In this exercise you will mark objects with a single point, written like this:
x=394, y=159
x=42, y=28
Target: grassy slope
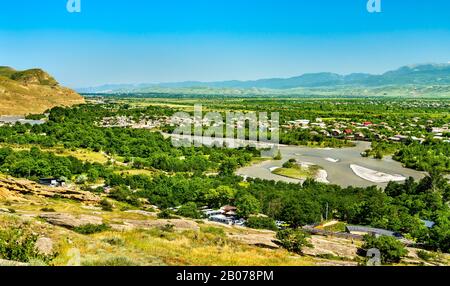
x=208, y=246
x=32, y=91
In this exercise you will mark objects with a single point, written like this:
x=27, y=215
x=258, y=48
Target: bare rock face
x=332, y=246
x=262, y=239
x=12, y=263
x=26, y=187
x=141, y=212
x=148, y=224
x=44, y=245
x=70, y=221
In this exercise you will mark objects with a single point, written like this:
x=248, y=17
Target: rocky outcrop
x=262, y=239
x=10, y=186
x=148, y=224
x=12, y=263
x=70, y=221
x=44, y=245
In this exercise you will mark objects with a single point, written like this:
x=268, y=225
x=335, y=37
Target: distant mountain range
x=425, y=74
x=32, y=91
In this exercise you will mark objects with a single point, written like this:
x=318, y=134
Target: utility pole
x=326, y=214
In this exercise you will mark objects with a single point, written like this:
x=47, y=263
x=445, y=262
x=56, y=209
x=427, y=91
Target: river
x=337, y=162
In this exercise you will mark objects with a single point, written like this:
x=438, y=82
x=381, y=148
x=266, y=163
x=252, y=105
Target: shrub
x=123, y=194
x=391, y=250
x=290, y=164
x=18, y=244
x=278, y=156
x=168, y=228
x=114, y=241
x=81, y=179
x=294, y=240
x=91, y=228
x=189, y=210
x=165, y=214
x=261, y=223
x=427, y=255
x=213, y=230
x=247, y=205
x=106, y=205
x=114, y=261
x=48, y=210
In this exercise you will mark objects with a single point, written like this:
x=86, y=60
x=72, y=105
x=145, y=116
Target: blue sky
x=137, y=41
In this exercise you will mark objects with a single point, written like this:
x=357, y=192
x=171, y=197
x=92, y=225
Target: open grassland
x=137, y=237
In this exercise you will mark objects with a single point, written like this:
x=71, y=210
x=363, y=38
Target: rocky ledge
x=25, y=187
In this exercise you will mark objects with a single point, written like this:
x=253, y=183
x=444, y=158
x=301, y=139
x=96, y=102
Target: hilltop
x=32, y=92
x=414, y=75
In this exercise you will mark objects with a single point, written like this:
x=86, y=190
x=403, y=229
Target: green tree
x=391, y=249
x=189, y=210
x=300, y=211
x=247, y=205
x=220, y=196
x=165, y=214
x=228, y=167
x=293, y=240
x=261, y=223
x=93, y=175
x=440, y=233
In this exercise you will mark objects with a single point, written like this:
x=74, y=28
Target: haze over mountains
x=425, y=74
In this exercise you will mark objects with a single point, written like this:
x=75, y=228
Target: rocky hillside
x=31, y=92
x=68, y=226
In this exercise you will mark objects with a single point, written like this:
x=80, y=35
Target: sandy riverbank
x=375, y=176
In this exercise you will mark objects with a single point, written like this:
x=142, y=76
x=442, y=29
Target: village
x=414, y=129
x=368, y=131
